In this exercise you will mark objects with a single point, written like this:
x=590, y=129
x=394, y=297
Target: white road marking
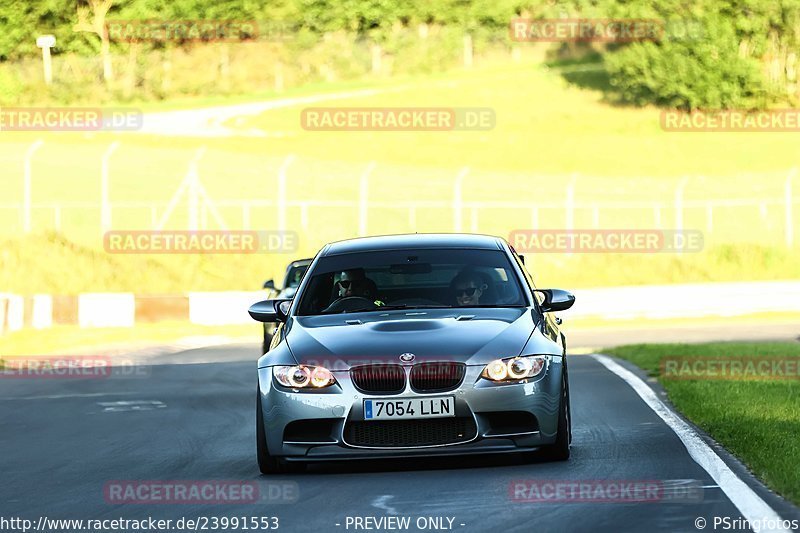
x=380, y=503
x=134, y=405
x=743, y=497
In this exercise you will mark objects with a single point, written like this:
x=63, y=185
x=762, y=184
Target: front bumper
x=489, y=406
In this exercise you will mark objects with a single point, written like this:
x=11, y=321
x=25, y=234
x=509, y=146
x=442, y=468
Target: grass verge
x=756, y=420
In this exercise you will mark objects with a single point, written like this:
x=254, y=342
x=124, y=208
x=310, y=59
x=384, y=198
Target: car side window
x=524, y=270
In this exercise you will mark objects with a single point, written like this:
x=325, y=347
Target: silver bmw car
x=411, y=346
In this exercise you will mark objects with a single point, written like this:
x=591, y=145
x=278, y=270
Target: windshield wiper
x=409, y=306
x=487, y=306
x=389, y=308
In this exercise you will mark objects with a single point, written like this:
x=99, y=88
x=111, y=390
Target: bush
x=688, y=73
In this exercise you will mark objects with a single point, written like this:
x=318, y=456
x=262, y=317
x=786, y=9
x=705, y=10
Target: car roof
x=299, y=262
x=414, y=240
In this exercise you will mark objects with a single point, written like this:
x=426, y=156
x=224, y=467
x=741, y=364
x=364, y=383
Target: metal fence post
x=282, y=192
x=569, y=203
x=363, y=199
x=28, y=178
x=458, y=199
x=709, y=218
x=787, y=192
x=679, y=206
x=245, y=216
x=193, y=196
x=105, y=206
x=304, y=216
x=569, y=206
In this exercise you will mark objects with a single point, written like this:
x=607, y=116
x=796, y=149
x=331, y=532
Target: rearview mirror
x=556, y=300
x=270, y=310
x=269, y=284
x=411, y=268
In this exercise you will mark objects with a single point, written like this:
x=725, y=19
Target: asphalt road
x=64, y=441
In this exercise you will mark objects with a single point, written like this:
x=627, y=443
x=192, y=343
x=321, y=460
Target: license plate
x=439, y=406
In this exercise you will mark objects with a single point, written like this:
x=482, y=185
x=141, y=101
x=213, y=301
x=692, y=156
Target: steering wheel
x=415, y=301
x=350, y=303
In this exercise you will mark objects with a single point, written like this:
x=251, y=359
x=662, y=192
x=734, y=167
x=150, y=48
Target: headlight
x=304, y=377
x=514, y=368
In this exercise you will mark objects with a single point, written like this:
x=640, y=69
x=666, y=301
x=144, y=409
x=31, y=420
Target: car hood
x=471, y=336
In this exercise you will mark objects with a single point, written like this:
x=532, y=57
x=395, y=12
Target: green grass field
x=758, y=421
x=548, y=132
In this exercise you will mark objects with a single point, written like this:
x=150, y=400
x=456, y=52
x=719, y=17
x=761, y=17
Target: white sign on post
x=46, y=42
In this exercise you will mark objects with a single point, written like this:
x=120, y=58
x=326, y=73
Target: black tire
x=559, y=451
x=267, y=463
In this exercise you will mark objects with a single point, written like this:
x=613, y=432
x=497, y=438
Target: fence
x=371, y=197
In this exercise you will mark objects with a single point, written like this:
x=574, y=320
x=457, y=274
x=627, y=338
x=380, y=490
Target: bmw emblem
x=407, y=357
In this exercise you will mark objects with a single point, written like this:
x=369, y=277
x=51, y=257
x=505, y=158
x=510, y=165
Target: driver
x=354, y=282
x=468, y=287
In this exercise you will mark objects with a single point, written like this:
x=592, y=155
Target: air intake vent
x=379, y=379
x=437, y=377
x=410, y=433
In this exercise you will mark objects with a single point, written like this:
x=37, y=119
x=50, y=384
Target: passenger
x=468, y=287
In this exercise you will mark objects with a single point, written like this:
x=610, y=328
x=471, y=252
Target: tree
x=98, y=9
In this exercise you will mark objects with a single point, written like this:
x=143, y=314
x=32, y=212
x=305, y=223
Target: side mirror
x=269, y=284
x=556, y=300
x=522, y=258
x=270, y=310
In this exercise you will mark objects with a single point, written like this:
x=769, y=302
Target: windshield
x=294, y=276
x=411, y=279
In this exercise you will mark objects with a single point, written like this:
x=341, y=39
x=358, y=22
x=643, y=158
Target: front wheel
x=559, y=451
x=269, y=464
